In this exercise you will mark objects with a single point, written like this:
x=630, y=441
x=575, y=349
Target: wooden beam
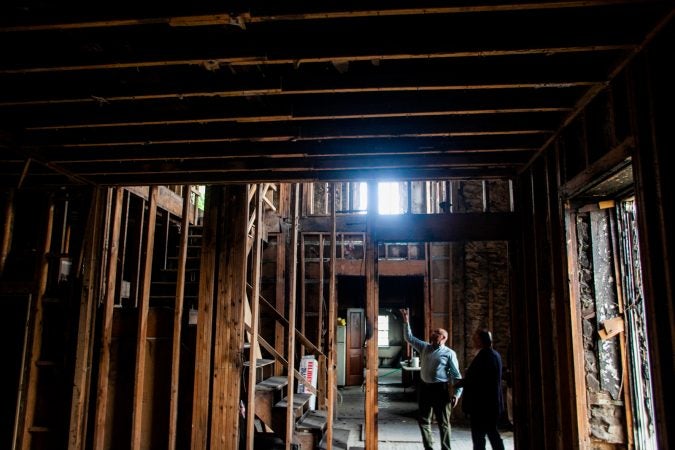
x=141, y=336
x=256, y=60
x=243, y=18
x=372, y=307
x=7, y=228
x=332, y=322
x=202, y=378
x=178, y=317
x=292, y=294
x=280, y=293
x=595, y=90
x=335, y=89
x=415, y=111
x=230, y=330
x=41, y=278
x=616, y=159
x=256, y=263
x=107, y=322
x=85, y=329
x=446, y=227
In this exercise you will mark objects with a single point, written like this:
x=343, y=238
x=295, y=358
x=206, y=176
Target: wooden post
x=303, y=287
x=280, y=293
x=200, y=399
x=178, y=317
x=255, y=301
x=36, y=339
x=107, y=321
x=372, y=306
x=293, y=277
x=332, y=319
x=321, y=381
x=7, y=228
x=85, y=335
x=229, y=324
x=143, y=309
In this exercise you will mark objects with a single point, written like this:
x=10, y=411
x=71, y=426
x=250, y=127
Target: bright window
x=383, y=331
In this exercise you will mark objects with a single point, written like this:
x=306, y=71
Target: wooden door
x=355, y=338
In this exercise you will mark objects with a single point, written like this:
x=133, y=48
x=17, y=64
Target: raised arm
x=417, y=344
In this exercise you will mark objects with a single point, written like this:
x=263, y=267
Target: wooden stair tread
x=313, y=420
x=272, y=384
x=299, y=401
x=340, y=439
x=259, y=363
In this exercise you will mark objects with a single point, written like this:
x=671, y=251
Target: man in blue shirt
x=439, y=371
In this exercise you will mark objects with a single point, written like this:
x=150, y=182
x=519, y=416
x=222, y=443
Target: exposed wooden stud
x=37, y=312
x=139, y=233
x=100, y=438
x=234, y=303
x=627, y=379
x=222, y=397
x=576, y=336
x=321, y=300
x=124, y=234
x=332, y=322
x=178, y=317
x=201, y=395
x=141, y=336
x=7, y=228
x=372, y=306
x=85, y=328
x=280, y=294
x=303, y=294
x=256, y=263
x=451, y=297
x=292, y=278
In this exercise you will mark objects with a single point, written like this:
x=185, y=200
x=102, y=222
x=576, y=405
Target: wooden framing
x=201, y=394
x=178, y=317
x=332, y=323
x=107, y=321
x=255, y=280
x=292, y=293
x=85, y=334
x=37, y=317
x=143, y=308
x=372, y=306
x=229, y=319
x=7, y=227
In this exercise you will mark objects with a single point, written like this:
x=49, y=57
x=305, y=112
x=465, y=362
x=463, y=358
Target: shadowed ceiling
x=150, y=92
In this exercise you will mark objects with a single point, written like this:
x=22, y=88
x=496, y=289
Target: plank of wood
x=107, y=322
x=85, y=335
x=178, y=317
x=201, y=396
x=37, y=318
x=141, y=336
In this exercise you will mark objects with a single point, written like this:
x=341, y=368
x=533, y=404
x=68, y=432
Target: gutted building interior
x=211, y=214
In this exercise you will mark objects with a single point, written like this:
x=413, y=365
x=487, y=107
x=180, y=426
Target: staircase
x=270, y=391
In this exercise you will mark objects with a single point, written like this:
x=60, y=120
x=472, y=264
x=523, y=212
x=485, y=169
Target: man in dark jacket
x=483, y=393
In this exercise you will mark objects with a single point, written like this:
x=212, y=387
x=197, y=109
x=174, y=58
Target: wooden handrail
x=280, y=318
x=298, y=376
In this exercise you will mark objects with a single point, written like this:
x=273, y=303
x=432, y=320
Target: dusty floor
x=397, y=424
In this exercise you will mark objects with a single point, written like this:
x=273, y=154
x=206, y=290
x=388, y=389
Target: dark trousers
x=482, y=426
x=434, y=400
